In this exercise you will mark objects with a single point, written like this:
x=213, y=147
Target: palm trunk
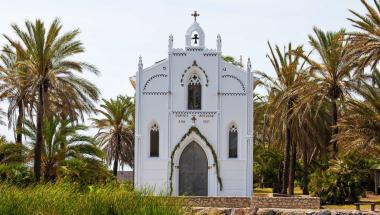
x=292, y=168
x=39, y=138
x=334, y=123
x=285, y=172
x=115, y=163
x=20, y=119
x=305, y=189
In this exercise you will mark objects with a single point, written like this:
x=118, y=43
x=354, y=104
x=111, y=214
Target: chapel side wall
x=154, y=109
x=233, y=111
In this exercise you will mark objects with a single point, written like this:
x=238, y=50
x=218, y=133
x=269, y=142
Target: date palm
x=63, y=143
x=331, y=73
x=365, y=44
x=116, y=131
x=288, y=68
x=361, y=124
x=53, y=74
x=13, y=89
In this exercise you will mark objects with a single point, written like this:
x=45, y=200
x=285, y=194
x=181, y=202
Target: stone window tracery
x=233, y=142
x=154, y=141
x=194, y=94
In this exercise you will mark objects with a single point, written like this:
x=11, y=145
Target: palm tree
x=331, y=74
x=13, y=89
x=116, y=131
x=63, y=143
x=53, y=75
x=288, y=69
x=360, y=127
x=365, y=44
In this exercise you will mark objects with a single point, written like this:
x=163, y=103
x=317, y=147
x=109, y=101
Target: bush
x=267, y=166
x=16, y=174
x=343, y=181
x=84, y=172
x=64, y=198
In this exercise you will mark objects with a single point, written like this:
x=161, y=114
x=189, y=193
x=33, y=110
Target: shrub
x=343, y=181
x=267, y=166
x=16, y=174
x=84, y=173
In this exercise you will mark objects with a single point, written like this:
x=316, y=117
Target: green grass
x=65, y=199
x=297, y=191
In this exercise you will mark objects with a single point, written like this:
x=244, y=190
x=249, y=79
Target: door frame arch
x=212, y=187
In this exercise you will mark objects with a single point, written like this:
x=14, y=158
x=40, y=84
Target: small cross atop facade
x=195, y=15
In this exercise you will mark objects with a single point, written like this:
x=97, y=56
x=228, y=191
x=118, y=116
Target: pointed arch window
x=233, y=142
x=154, y=141
x=194, y=94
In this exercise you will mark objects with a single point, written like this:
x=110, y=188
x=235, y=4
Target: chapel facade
x=194, y=122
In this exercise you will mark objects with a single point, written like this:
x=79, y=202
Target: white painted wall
x=226, y=99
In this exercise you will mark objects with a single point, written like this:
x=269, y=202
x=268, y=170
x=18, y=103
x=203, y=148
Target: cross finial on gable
x=195, y=15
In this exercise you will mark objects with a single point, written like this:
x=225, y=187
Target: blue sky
x=116, y=32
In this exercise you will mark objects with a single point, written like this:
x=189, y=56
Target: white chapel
x=194, y=121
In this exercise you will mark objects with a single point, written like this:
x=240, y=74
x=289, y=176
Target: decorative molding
x=188, y=68
x=233, y=94
x=210, y=54
x=153, y=77
x=215, y=157
x=154, y=127
x=179, y=54
x=202, y=114
x=236, y=78
x=155, y=93
x=233, y=128
x=194, y=49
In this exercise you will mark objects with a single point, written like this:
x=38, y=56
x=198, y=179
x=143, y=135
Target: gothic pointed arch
x=194, y=69
x=191, y=131
x=194, y=93
x=233, y=141
x=154, y=139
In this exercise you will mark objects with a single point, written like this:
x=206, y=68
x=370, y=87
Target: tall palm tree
x=53, y=74
x=288, y=69
x=116, y=131
x=13, y=89
x=63, y=142
x=331, y=73
x=365, y=44
x=360, y=127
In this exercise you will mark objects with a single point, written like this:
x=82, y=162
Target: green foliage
x=84, y=172
x=232, y=60
x=16, y=174
x=267, y=166
x=343, y=181
x=116, y=130
x=66, y=199
x=68, y=154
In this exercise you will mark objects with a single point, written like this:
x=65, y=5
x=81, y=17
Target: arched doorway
x=193, y=171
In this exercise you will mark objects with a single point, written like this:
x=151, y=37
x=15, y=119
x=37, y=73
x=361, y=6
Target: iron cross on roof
x=195, y=14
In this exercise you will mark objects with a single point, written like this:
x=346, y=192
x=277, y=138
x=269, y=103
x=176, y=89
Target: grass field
x=66, y=199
